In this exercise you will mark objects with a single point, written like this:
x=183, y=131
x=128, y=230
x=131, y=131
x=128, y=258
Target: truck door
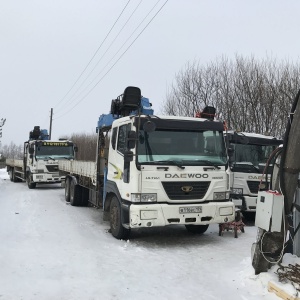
x=116, y=156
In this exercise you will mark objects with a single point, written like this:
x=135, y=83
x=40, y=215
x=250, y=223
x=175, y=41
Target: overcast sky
x=46, y=45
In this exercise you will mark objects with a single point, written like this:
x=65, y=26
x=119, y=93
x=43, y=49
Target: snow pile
x=52, y=250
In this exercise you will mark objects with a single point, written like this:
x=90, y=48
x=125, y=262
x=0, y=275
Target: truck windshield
x=251, y=158
x=169, y=147
x=55, y=152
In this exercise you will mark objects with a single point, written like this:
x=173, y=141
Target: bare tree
x=86, y=144
x=11, y=151
x=251, y=95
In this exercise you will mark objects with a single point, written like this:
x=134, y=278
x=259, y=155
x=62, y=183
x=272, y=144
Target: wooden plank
x=273, y=288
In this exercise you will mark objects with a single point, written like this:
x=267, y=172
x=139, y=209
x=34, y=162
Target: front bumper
x=245, y=203
x=164, y=214
x=42, y=178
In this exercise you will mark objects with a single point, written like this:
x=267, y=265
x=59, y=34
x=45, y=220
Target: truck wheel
x=84, y=196
x=75, y=193
x=31, y=185
x=11, y=175
x=198, y=229
x=67, y=189
x=116, y=227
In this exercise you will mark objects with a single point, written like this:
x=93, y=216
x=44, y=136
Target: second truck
x=250, y=154
x=40, y=159
x=153, y=170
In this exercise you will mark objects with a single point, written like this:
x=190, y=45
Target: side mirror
x=230, y=151
x=149, y=126
x=30, y=155
x=128, y=156
x=31, y=151
x=75, y=148
x=131, y=139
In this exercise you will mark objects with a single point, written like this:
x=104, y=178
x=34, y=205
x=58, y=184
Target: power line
x=116, y=52
x=104, y=53
x=114, y=63
x=94, y=54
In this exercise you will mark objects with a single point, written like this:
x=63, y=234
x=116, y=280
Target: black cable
x=283, y=155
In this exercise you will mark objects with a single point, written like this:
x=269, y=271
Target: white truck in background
x=153, y=170
x=40, y=159
x=250, y=154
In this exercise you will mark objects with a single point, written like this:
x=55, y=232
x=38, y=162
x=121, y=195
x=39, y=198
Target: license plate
x=237, y=191
x=190, y=210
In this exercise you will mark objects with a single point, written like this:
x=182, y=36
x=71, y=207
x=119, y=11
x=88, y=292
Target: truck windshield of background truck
x=189, y=148
x=54, y=150
x=251, y=158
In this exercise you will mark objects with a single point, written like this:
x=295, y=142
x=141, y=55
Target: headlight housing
x=221, y=195
x=143, y=197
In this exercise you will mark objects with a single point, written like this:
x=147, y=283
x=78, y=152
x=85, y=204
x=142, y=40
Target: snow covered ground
x=51, y=250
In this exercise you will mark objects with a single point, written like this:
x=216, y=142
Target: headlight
x=143, y=197
x=221, y=195
x=237, y=191
x=225, y=211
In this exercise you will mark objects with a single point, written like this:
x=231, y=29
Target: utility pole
x=270, y=245
x=50, y=130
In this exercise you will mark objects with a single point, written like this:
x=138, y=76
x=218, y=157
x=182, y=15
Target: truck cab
x=250, y=154
x=153, y=170
x=41, y=160
x=164, y=170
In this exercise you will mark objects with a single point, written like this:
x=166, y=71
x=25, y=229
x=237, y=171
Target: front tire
x=31, y=185
x=75, y=193
x=116, y=227
x=196, y=229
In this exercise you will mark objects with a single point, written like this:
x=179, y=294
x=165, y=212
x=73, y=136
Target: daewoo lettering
x=197, y=175
x=255, y=177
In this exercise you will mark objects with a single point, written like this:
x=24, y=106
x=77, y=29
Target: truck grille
x=52, y=168
x=253, y=186
x=175, y=191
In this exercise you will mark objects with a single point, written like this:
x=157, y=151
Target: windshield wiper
x=247, y=164
x=206, y=163
x=51, y=157
x=166, y=162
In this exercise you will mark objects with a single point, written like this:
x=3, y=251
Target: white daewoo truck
x=153, y=170
x=40, y=159
x=250, y=154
